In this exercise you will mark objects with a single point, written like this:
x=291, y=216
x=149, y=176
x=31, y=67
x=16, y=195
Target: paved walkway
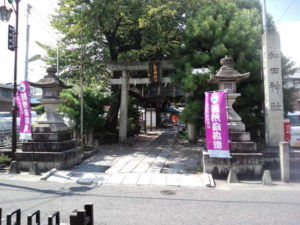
x=152, y=159
x=148, y=159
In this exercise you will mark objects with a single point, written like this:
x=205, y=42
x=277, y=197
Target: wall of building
x=5, y=106
x=293, y=81
x=6, y=95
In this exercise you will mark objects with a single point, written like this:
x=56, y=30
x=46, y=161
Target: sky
x=40, y=30
x=286, y=14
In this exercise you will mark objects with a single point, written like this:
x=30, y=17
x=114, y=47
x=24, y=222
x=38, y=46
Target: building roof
x=296, y=75
x=6, y=86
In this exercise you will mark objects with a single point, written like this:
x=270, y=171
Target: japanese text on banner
x=216, y=127
x=23, y=103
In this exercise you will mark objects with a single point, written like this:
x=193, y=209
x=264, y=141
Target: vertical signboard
x=287, y=130
x=23, y=103
x=11, y=38
x=273, y=89
x=216, y=124
x=154, y=71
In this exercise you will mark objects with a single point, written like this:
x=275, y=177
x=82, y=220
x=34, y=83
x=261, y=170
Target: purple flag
x=216, y=124
x=23, y=103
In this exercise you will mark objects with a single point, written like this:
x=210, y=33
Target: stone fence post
x=284, y=156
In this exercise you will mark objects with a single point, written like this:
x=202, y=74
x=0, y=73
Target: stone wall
x=272, y=163
x=249, y=168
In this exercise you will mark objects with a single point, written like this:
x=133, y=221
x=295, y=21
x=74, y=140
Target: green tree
x=119, y=30
x=96, y=98
x=289, y=98
x=222, y=28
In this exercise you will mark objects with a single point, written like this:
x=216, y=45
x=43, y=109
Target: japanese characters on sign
x=275, y=85
x=216, y=124
x=273, y=96
x=154, y=71
x=23, y=103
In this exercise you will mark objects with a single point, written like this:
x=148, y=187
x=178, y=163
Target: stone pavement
x=148, y=159
x=152, y=159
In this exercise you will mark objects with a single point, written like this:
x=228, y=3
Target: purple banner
x=216, y=124
x=23, y=103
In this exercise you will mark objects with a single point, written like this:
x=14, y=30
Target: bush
x=4, y=159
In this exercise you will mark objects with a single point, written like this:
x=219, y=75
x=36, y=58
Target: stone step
x=50, y=128
x=247, y=165
x=243, y=147
x=48, y=146
x=239, y=136
x=247, y=158
x=49, y=160
x=61, y=136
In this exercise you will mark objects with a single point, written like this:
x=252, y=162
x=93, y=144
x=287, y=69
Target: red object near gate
x=287, y=129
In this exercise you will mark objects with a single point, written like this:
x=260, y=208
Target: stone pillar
x=284, y=155
x=191, y=127
x=273, y=89
x=158, y=112
x=124, y=108
x=192, y=134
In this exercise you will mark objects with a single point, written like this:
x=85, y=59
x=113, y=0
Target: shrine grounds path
x=156, y=158
x=155, y=179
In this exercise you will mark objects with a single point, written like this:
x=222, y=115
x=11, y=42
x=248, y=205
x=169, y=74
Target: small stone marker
x=14, y=168
x=208, y=180
x=86, y=179
x=232, y=177
x=48, y=174
x=34, y=169
x=266, y=179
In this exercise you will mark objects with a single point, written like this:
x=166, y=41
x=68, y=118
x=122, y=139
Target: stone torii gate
x=154, y=68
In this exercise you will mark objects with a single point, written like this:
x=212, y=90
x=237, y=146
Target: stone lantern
x=50, y=120
x=226, y=78
x=245, y=159
x=52, y=145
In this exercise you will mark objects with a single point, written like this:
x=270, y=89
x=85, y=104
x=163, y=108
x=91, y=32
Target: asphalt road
x=149, y=205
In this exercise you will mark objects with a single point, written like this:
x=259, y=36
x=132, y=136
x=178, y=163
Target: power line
x=42, y=18
x=287, y=9
x=44, y=25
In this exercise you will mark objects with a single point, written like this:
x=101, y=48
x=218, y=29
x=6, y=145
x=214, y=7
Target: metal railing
x=78, y=217
x=83, y=217
x=37, y=215
x=51, y=218
x=10, y=216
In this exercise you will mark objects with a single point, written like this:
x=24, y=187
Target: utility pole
x=14, y=109
x=57, y=58
x=81, y=81
x=27, y=40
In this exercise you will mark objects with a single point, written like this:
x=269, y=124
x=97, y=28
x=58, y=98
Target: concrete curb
x=87, y=155
x=48, y=174
x=209, y=181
